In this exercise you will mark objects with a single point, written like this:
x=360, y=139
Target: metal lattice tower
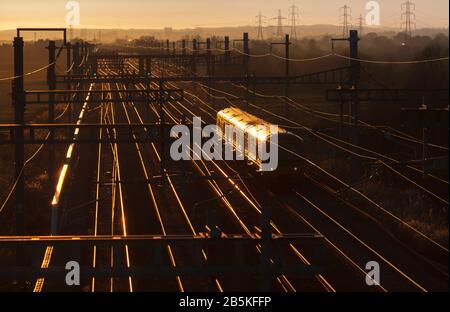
x=293, y=15
x=346, y=16
x=260, y=20
x=279, y=19
x=408, y=17
x=360, y=25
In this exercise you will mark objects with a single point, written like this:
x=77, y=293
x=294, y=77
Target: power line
x=408, y=17
x=441, y=59
x=284, y=58
x=410, y=62
x=294, y=13
x=345, y=17
x=359, y=155
x=261, y=21
x=28, y=161
x=34, y=71
x=360, y=24
x=279, y=18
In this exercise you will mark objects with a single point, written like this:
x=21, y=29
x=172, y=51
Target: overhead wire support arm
x=132, y=133
x=63, y=30
x=73, y=96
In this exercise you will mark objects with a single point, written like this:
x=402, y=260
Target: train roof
x=248, y=122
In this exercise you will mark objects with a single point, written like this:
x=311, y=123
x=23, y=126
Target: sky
x=205, y=13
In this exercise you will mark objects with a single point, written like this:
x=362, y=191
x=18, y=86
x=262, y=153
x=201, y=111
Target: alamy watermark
x=73, y=9
x=373, y=15
x=373, y=274
x=257, y=143
x=73, y=276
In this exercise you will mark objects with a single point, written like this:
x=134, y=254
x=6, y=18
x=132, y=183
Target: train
x=289, y=144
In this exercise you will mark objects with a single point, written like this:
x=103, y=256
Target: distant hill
x=111, y=35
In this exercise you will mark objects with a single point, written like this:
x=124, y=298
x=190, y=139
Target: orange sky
x=197, y=13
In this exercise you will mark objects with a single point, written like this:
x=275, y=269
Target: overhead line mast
x=346, y=16
x=279, y=18
x=294, y=13
x=261, y=21
x=408, y=17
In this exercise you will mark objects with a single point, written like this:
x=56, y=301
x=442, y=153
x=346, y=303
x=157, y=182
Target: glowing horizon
x=183, y=14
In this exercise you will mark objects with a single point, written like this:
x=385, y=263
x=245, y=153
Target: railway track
x=184, y=211
x=395, y=163
x=283, y=280
x=438, y=281
x=138, y=191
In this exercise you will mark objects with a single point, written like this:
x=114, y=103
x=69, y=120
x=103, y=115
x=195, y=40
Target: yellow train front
x=257, y=130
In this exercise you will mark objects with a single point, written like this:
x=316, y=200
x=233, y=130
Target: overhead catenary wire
x=284, y=58
x=29, y=73
x=336, y=55
x=257, y=206
x=400, y=134
x=34, y=71
x=204, y=89
x=29, y=160
x=366, y=150
x=378, y=154
x=359, y=155
x=71, y=67
x=359, y=193
x=364, y=157
x=311, y=59
x=352, y=188
x=412, y=62
x=319, y=113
